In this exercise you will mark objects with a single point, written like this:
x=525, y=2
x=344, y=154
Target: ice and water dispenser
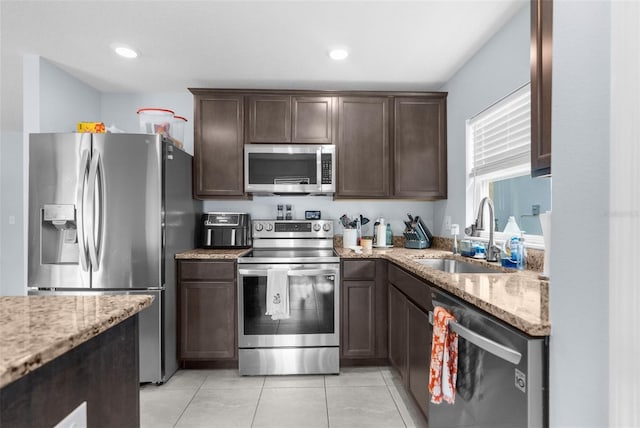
x=59, y=234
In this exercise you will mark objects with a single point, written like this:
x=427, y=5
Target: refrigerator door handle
x=82, y=182
x=96, y=207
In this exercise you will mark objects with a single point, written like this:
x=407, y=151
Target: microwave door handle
x=482, y=342
x=319, y=168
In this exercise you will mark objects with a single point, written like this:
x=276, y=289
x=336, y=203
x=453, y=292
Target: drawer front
x=207, y=271
x=359, y=269
x=416, y=290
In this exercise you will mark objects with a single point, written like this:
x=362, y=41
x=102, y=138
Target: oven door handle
x=482, y=342
x=311, y=272
x=294, y=272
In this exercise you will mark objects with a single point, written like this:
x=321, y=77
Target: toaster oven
x=225, y=230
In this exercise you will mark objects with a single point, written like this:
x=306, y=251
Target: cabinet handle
x=482, y=342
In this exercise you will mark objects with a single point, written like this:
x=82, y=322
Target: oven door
x=313, y=304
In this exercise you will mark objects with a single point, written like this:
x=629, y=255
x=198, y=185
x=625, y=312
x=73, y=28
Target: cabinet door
x=312, y=120
x=219, y=146
x=419, y=356
x=398, y=330
x=270, y=119
x=363, y=147
x=358, y=319
x=207, y=320
x=420, y=148
x=541, y=42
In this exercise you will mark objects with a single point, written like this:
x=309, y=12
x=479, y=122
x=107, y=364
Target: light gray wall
x=11, y=235
x=120, y=110
x=64, y=100
x=498, y=68
x=580, y=196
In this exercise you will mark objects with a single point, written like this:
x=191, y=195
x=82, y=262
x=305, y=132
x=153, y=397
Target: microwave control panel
x=326, y=168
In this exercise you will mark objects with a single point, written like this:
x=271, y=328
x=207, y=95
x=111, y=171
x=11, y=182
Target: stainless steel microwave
x=290, y=168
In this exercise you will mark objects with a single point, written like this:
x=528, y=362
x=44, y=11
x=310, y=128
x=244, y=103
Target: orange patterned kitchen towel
x=444, y=358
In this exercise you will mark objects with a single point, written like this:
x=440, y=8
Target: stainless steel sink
x=458, y=266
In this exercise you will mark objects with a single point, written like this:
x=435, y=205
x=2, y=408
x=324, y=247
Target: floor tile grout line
x=255, y=411
x=326, y=399
x=190, y=400
x=395, y=403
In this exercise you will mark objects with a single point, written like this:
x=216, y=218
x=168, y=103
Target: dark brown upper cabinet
x=420, y=148
x=290, y=119
x=392, y=154
x=541, y=45
x=363, y=147
x=312, y=120
x=269, y=119
x=218, y=145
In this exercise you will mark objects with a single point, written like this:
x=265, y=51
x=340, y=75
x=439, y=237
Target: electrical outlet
x=447, y=222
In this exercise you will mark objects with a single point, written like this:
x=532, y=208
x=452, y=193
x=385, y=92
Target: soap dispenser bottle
x=389, y=235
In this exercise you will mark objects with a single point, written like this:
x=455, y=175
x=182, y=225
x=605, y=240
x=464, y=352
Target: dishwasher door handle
x=482, y=342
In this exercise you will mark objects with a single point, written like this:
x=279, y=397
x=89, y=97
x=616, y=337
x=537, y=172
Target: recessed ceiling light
x=338, y=54
x=124, y=50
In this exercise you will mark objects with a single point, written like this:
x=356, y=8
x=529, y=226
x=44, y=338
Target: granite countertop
x=518, y=298
x=213, y=254
x=36, y=329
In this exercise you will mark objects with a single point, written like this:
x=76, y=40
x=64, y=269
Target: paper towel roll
x=545, y=223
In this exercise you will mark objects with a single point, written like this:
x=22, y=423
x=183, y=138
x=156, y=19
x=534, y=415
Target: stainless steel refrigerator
x=107, y=213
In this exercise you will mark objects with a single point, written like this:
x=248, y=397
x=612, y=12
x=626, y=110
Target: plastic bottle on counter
x=389, y=234
x=381, y=233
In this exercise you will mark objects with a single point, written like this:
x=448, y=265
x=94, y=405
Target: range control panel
x=292, y=229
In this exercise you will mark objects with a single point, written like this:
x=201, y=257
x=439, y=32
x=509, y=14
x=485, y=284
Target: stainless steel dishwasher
x=502, y=372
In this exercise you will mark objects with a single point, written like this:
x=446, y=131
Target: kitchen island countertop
x=35, y=330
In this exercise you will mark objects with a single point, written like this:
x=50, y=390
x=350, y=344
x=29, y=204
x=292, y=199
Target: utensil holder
x=350, y=238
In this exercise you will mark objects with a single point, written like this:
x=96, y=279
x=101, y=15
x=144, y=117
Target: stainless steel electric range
x=307, y=342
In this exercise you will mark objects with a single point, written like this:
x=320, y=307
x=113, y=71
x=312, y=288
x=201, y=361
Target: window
x=499, y=166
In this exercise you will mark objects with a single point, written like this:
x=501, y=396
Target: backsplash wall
x=393, y=211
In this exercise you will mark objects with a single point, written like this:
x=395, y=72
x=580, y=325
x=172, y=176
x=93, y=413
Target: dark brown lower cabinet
x=410, y=333
x=363, y=332
x=207, y=312
x=398, y=330
x=418, y=352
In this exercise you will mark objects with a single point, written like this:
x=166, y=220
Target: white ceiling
x=394, y=45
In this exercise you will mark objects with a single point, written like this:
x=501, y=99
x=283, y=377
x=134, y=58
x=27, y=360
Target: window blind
x=501, y=135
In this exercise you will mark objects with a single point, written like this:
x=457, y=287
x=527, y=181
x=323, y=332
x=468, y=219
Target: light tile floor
x=359, y=397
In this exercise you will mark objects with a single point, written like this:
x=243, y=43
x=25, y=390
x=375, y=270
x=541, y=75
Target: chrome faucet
x=493, y=251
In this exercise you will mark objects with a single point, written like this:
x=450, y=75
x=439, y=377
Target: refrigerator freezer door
x=125, y=209
x=58, y=170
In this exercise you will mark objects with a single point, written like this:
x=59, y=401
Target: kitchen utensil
x=363, y=220
x=344, y=220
